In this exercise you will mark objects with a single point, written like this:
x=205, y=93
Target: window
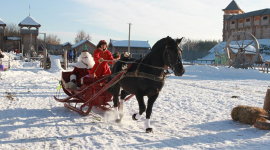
x=265, y=17
x=257, y=18
x=248, y=20
x=233, y=22
x=241, y=21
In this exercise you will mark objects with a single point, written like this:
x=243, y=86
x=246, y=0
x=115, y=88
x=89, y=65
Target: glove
x=100, y=60
x=91, y=75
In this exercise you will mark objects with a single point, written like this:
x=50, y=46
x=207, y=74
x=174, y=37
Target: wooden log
x=266, y=105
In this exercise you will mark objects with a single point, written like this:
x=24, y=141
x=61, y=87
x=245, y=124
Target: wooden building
x=2, y=31
x=67, y=46
x=255, y=22
x=137, y=48
x=29, y=33
x=84, y=45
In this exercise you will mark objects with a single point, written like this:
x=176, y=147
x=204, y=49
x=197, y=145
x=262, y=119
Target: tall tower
x=229, y=11
x=2, y=31
x=29, y=33
x=233, y=9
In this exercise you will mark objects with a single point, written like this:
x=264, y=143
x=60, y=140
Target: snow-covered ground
x=192, y=112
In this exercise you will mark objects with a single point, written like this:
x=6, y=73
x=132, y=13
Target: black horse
x=145, y=77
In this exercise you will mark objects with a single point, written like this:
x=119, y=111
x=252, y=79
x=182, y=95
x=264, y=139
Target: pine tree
x=85, y=47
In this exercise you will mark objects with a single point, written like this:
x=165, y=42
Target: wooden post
x=45, y=58
x=267, y=67
x=28, y=57
x=22, y=52
x=65, y=60
x=30, y=41
x=9, y=63
x=266, y=105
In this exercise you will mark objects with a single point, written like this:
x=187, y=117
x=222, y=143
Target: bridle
x=178, y=60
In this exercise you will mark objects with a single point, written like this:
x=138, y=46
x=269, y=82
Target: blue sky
x=108, y=19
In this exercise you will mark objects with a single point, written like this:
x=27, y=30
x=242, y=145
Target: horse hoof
x=121, y=116
x=149, y=130
x=134, y=117
x=118, y=120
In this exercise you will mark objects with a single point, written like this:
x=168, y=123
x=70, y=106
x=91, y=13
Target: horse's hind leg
x=115, y=91
x=122, y=100
x=150, y=104
x=142, y=107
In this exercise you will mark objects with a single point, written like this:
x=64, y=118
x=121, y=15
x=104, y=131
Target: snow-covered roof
x=124, y=43
x=29, y=21
x=2, y=22
x=14, y=38
x=81, y=42
x=66, y=44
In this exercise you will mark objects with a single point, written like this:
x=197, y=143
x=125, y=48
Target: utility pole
x=129, y=38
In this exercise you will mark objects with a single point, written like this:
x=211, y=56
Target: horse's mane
x=161, y=41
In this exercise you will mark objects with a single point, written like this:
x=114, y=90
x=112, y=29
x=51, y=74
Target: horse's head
x=173, y=56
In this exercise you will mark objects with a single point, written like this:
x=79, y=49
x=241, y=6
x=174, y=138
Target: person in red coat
x=101, y=67
x=82, y=67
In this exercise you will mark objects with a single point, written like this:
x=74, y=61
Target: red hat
x=84, y=51
x=101, y=42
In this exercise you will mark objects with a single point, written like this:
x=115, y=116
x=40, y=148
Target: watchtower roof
x=232, y=6
x=2, y=23
x=29, y=21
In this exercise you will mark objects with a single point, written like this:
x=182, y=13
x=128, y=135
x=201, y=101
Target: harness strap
x=138, y=67
x=160, y=78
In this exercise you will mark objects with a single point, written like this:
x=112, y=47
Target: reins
x=140, y=63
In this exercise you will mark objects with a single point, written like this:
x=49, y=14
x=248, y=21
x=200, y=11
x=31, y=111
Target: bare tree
x=190, y=45
x=53, y=39
x=81, y=35
x=12, y=29
x=199, y=45
x=50, y=39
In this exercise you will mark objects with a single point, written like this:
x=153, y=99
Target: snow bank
x=223, y=73
x=55, y=63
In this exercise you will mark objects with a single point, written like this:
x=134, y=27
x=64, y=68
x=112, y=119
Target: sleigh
x=93, y=93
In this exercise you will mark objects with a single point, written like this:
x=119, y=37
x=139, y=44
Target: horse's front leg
x=116, y=89
x=122, y=100
x=142, y=107
x=150, y=103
